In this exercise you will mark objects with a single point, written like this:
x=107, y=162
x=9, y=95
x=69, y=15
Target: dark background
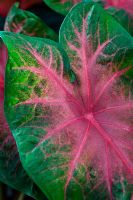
x=54, y=20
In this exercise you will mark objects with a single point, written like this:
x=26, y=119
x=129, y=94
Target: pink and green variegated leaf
x=25, y=22
x=75, y=139
x=11, y=171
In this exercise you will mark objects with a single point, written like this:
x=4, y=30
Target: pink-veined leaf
x=11, y=170
x=75, y=140
x=80, y=37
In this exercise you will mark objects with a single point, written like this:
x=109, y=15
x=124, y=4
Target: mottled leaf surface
x=120, y=14
x=75, y=139
x=11, y=170
x=25, y=22
x=100, y=27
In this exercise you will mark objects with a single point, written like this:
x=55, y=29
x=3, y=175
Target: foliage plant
x=66, y=102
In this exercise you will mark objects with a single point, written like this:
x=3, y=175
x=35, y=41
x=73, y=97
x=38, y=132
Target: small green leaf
x=125, y=19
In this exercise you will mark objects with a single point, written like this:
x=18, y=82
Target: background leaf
x=27, y=23
x=123, y=18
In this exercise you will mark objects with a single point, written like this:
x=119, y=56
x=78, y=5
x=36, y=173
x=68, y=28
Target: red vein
x=108, y=170
x=85, y=62
x=97, y=53
x=125, y=145
x=43, y=101
x=78, y=152
x=117, y=126
x=42, y=74
x=114, y=107
x=59, y=128
x=109, y=82
x=109, y=140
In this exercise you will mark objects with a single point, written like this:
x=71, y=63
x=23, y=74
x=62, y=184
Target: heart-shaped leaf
x=11, y=170
x=73, y=139
x=25, y=22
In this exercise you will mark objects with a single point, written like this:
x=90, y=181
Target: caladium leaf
x=11, y=170
x=73, y=139
x=25, y=22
